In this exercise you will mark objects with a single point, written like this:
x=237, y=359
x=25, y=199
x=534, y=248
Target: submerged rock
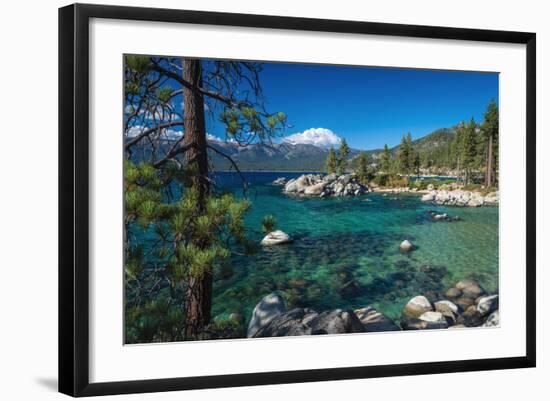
x=279, y=181
x=275, y=238
x=268, y=308
x=469, y=288
x=373, y=320
x=464, y=302
x=406, y=246
x=453, y=293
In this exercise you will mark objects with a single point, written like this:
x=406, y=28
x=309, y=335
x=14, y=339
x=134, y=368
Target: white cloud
x=321, y=137
x=171, y=135
x=211, y=137
x=165, y=134
x=134, y=131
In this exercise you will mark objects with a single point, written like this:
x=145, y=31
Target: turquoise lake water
x=346, y=253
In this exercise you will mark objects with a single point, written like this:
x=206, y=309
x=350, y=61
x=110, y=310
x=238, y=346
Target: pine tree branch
x=245, y=183
x=150, y=131
x=173, y=153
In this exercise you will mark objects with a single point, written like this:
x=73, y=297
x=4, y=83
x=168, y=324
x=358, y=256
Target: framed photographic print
x=250, y=199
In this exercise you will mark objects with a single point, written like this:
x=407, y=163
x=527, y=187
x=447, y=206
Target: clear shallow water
x=346, y=254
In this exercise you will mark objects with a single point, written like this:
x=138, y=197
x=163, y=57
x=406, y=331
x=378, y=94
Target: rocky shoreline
x=462, y=306
x=333, y=185
x=460, y=197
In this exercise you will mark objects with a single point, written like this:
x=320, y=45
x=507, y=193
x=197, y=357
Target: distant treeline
x=468, y=150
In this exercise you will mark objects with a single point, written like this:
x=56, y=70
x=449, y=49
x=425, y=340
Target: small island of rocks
x=325, y=186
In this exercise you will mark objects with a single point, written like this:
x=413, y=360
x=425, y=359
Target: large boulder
x=270, y=306
x=330, y=177
x=315, y=189
x=416, y=307
x=446, y=308
x=428, y=197
x=291, y=323
x=464, y=302
x=487, y=304
x=304, y=321
x=373, y=320
x=434, y=320
x=469, y=288
x=276, y=237
x=337, y=321
x=453, y=292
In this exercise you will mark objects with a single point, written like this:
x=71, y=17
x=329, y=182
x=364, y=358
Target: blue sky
x=372, y=106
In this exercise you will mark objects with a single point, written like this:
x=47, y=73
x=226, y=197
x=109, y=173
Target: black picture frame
x=74, y=200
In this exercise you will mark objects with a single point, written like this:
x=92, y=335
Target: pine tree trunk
x=489, y=172
x=199, y=290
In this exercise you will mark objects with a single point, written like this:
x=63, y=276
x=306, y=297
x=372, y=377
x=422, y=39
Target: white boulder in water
x=428, y=197
x=406, y=246
x=280, y=181
x=276, y=237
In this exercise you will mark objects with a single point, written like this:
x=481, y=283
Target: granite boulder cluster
x=325, y=185
x=464, y=305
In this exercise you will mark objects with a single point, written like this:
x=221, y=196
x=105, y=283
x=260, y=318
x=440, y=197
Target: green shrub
x=268, y=224
x=472, y=187
x=390, y=180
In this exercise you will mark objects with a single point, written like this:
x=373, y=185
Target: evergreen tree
x=164, y=94
x=331, y=163
x=416, y=164
x=456, y=148
x=385, y=159
x=469, y=149
x=362, y=168
x=268, y=224
x=411, y=152
x=489, y=129
x=343, y=152
x=404, y=156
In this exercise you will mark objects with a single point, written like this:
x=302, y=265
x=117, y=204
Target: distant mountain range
x=285, y=156
x=271, y=157
x=306, y=157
